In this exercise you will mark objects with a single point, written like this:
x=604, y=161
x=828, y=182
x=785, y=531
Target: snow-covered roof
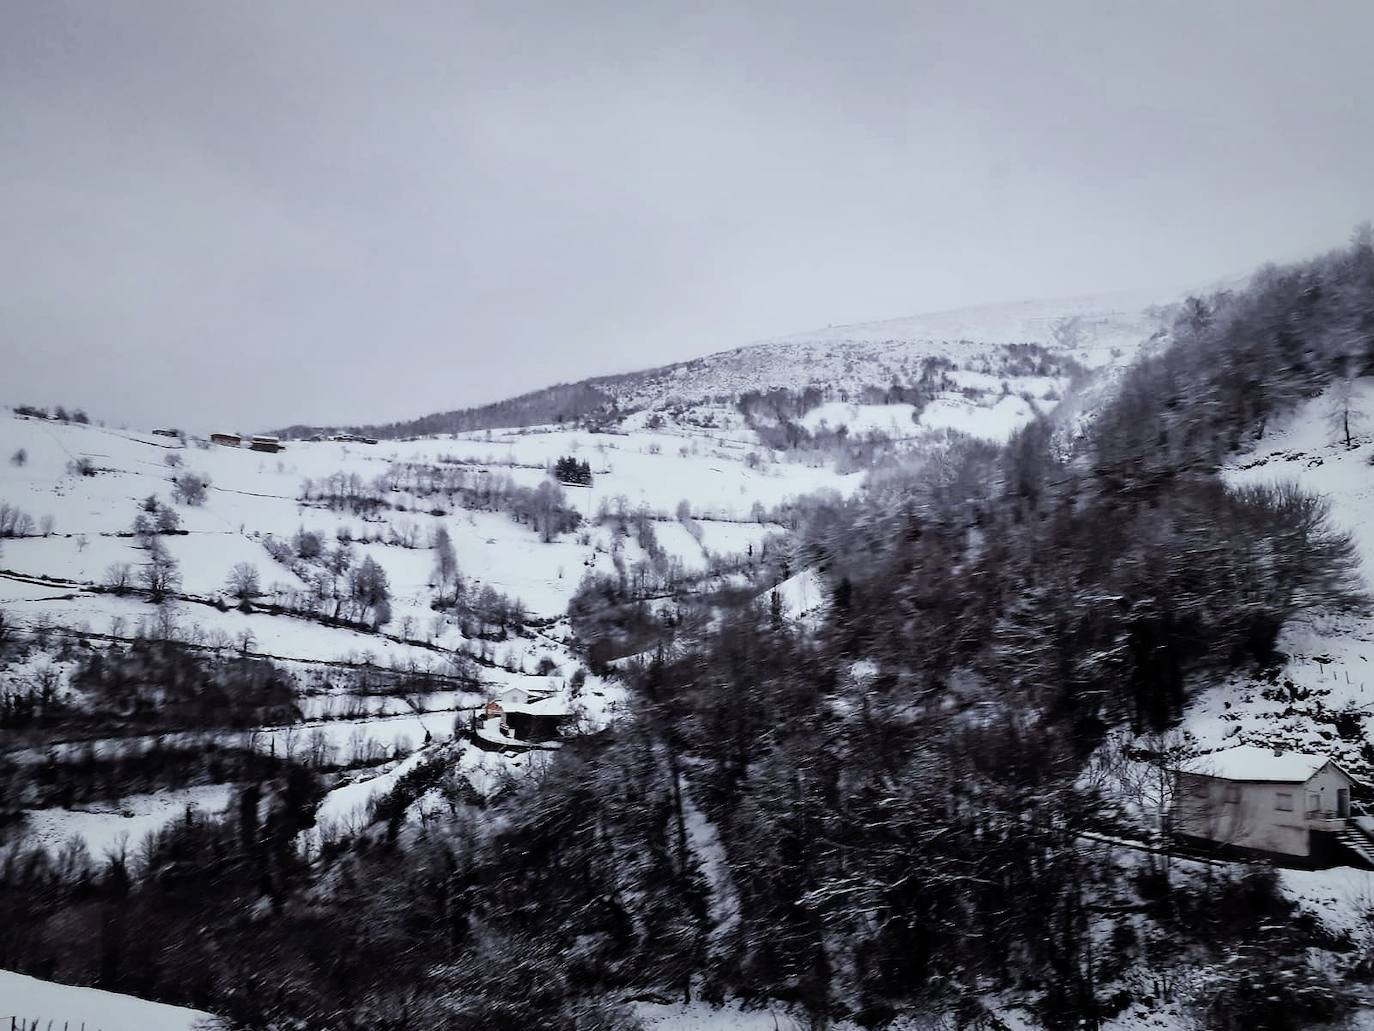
x=1253, y=763
x=542, y=707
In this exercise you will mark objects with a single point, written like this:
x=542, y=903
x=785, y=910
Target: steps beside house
x=1359, y=843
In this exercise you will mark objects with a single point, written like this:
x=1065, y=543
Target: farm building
x=269, y=444
x=1290, y=806
x=535, y=721
x=520, y=718
x=227, y=439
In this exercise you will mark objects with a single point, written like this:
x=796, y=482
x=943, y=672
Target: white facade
x=1243, y=801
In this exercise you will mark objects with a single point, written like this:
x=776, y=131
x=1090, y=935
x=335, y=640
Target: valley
x=354, y=639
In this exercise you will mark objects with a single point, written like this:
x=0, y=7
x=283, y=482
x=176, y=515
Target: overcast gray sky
x=257, y=213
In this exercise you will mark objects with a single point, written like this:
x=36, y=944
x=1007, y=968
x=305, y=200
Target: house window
x=1314, y=802
x=1231, y=796
x=1284, y=802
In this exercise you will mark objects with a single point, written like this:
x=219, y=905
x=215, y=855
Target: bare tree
x=160, y=575
x=190, y=488
x=14, y=522
x=369, y=591
x=118, y=577
x=1343, y=412
x=405, y=533
x=243, y=582
x=308, y=544
x=445, y=564
x=165, y=622
x=167, y=520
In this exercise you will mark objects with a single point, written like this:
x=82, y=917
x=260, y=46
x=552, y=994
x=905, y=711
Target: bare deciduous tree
x=165, y=623
x=118, y=577
x=190, y=488
x=445, y=565
x=160, y=574
x=14, y=522
x=1343, y=413
x=243, y=582
x=167, y=520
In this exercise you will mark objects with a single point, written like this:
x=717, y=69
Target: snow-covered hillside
x=43, y=1004
x=982, y=371
x=680, y=460
x=1322, y=699
x=74, y=492
x=689, y=491
x=1094, y=331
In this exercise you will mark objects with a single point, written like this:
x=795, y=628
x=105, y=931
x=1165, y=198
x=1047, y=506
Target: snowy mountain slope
x=1093, y=331
x=80, y=488
x=1322, y=699
x=680, y=454
x=984, y=348
x=48, y=1004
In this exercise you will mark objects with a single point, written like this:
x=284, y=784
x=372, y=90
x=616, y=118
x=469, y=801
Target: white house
x=1289, y=805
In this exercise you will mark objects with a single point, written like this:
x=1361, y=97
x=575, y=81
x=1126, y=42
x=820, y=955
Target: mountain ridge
x=1091, y=331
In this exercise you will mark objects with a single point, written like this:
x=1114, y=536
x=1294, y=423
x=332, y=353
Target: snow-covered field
x=81, y=527
x=700, y=1016
x=802, y=595
x=108, y=827
x=47, y=1003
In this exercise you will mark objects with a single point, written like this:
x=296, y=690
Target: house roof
x=1253, y=763
x=541, y=707
x=517, y=695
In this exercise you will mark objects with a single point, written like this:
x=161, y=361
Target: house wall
x=1247, y=814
